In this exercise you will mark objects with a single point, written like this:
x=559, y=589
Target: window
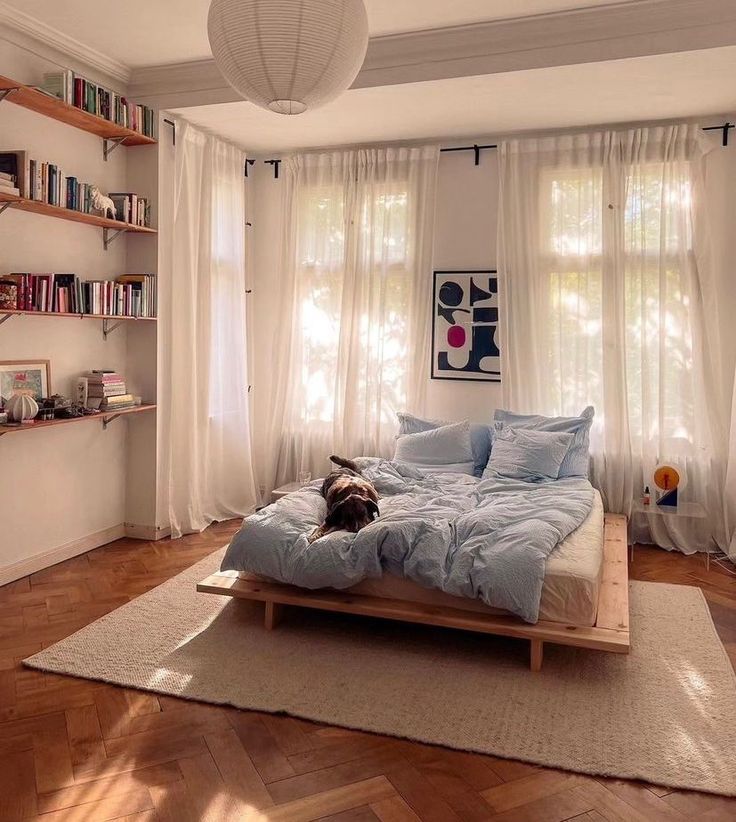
x=354, y=284
x=608, y=266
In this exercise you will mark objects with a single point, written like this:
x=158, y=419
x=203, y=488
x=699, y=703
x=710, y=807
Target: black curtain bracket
x=724, y=129
x=275, y=164
x=173, y=130
x=248, y=162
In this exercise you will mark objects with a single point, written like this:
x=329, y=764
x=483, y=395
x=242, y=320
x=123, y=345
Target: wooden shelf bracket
x=109, y=144
x=108, y=328
x=110, y=235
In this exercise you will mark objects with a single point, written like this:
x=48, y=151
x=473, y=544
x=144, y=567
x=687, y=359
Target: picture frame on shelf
x=32, y=377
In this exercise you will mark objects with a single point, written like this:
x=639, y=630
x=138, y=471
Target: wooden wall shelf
x=20, y=203
x=105, y=417
x=77, y=315
x=35, y=100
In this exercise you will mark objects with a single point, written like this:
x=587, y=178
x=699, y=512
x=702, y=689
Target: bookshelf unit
x=31, y=98
x=98, y=482
x=105, y=223
x=105, y=417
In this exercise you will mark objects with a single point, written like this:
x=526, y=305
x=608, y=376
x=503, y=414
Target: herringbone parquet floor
x=77, y=750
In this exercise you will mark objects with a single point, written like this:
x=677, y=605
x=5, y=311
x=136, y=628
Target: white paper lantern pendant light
x=288, y=55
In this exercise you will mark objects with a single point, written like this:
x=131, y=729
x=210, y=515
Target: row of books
x=130, y=295
x=104, y=390
x=47, y=183
x=131, y=208
x=96, y=99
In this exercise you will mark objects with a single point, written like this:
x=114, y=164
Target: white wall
x=465, y=237
x=65, y=485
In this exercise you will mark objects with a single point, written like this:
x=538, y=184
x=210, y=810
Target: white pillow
x=447, y=448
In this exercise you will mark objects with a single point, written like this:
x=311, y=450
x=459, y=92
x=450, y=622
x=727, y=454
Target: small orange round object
x=666, y=477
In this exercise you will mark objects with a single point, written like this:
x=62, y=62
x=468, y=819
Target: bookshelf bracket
x=6, y=317
x=3, y=206
x=107, y=420
x=109, y=144
x=110, y=235
x=108, y=328
x=5, y=92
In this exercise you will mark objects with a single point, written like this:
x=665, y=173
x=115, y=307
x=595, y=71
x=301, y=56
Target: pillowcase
x=441, y=449
x=480, y=436
x=532, y=456
x=576, y=462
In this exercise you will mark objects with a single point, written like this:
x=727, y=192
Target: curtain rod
x=476, y=149
x=725, y=129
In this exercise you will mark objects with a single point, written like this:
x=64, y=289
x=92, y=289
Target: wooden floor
x=77, y=750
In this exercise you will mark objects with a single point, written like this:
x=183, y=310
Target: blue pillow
x=446, y=448
x=576, y=462
x=525, y=454
x=480, y=436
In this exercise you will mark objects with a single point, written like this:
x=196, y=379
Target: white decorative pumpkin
x=21, y=407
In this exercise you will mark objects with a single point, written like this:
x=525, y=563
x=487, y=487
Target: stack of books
x=13, y=168
x=130, y=295
x=106, y=391
x=7, y=184
x=95, y=99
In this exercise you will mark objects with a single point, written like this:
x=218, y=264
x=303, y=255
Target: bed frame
x=610, y=632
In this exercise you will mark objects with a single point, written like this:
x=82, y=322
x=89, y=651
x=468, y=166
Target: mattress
x=572, y=579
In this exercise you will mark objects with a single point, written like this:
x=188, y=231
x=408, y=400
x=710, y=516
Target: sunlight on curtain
x=614, y=288
x=203, y=408
x=356, y=285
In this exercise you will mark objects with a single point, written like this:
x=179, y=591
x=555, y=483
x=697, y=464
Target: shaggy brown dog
x=351, y=500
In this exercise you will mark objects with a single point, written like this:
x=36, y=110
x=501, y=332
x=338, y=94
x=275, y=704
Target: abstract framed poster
x=32, y=377
x=465, y=326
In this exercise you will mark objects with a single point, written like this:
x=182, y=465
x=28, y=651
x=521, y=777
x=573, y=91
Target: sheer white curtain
x=605, y=294
x=204, y=416
x=355, y=287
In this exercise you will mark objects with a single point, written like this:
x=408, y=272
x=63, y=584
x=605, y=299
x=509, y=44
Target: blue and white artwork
x=465, y=326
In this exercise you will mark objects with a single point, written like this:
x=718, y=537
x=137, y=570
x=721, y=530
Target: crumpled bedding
x=479, y=538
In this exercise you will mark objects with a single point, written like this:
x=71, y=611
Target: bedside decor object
x=22, y=408
x=465, y=326
x=288, y=55
x=667, y=479
x=32, y=377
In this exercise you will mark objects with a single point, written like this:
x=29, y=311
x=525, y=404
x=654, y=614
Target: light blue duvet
x=477, y=538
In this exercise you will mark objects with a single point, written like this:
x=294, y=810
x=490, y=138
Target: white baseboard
x=71, y=549
x=147, y=532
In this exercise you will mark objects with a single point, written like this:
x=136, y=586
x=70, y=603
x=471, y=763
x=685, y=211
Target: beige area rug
x=666, y=713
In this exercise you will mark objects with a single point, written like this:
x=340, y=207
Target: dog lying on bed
x=352, y=500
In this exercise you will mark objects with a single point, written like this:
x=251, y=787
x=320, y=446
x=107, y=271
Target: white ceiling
x=142, y=33
x=687, y=84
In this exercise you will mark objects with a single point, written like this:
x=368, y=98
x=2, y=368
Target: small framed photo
x=465, y=326
x=32, y=377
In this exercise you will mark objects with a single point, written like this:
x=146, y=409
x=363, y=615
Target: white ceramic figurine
x=101, y=202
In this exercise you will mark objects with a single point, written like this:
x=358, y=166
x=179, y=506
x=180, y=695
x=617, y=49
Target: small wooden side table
x=689, y=510
x=289, y=488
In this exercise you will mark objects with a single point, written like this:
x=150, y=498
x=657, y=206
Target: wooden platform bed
x=610, y=632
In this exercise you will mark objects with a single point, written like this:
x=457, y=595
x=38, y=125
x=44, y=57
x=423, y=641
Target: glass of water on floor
x=305, y=477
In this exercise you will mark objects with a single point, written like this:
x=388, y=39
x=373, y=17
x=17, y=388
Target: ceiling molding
x=572, y=37
x=30, y=33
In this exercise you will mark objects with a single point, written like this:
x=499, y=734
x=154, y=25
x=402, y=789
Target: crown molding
x=32, y=34
x=601, y=33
